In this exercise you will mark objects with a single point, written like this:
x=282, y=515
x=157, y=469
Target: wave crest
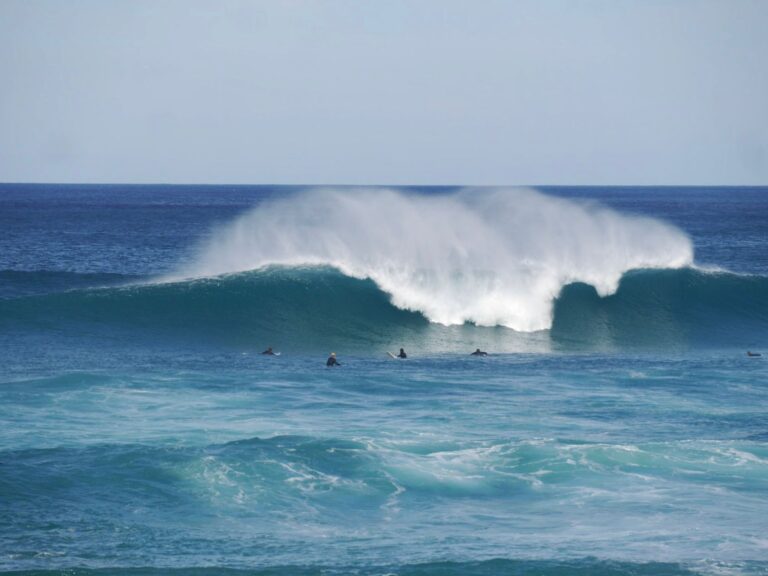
x=490, y=257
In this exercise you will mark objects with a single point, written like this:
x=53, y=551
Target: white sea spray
x=490, y=256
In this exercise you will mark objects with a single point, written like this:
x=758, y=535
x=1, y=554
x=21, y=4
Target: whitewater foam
x=491, y=257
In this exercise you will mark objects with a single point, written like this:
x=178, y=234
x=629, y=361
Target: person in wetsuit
x=269, y=351
x=332, y=360
x=402, y=354
x=479, y=352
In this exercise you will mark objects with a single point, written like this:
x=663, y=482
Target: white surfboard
x=391, y=355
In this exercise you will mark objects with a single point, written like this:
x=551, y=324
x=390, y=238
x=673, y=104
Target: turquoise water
x=141, y=432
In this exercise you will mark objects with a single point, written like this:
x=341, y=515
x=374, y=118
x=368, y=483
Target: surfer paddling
x=479, y=352
x=753, y=354
x=269, y=352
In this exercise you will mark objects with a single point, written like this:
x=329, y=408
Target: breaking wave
x=312, y=308
x=363, y=269
x=486, y=256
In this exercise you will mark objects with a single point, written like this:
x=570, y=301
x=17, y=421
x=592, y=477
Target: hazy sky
x=384, y=92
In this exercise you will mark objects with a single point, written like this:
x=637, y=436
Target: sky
x=472, y=92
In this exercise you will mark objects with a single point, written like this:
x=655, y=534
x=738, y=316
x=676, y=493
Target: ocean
x=616, y=427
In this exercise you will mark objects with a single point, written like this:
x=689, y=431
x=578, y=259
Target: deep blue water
x=141, y=432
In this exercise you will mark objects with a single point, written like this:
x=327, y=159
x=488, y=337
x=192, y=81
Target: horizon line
x=384, y=185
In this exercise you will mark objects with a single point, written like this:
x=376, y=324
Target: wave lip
x=490, y=257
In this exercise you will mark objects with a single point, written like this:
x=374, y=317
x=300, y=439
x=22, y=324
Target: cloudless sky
x=384, y=92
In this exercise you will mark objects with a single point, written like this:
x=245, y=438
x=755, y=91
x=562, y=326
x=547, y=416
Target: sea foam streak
x=492, y=257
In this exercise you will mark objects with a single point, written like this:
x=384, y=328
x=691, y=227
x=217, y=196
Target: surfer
x=269, y=351
x=402, y=354
x=753, y=354
x=479, y=352
x=332, y=360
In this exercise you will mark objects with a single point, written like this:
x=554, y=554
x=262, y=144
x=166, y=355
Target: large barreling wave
x=371, y=269
x=316, y=307
x=484, y=256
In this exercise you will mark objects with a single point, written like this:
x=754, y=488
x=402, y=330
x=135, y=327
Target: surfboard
x=391, y=355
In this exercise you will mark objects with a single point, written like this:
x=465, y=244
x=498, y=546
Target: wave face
x=486, y=256
x=312, y=308
x=667, y=307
